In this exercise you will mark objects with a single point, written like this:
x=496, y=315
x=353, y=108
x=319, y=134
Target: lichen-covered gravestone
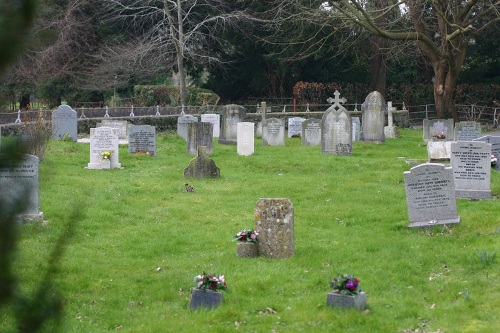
x=199, y=134
x=202, y=166
x=373, y=119
x=274, y=223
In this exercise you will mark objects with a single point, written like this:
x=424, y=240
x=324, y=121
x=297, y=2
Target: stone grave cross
x=336, y=101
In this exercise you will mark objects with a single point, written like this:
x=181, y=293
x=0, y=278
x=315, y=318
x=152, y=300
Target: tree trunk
x=180, y=57
x=378, y=65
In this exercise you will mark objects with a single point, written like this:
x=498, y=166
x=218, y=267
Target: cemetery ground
x=142, y=238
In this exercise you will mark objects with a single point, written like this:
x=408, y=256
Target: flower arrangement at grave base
x=206, y=292
x=493, y=160
x=346, y=293
x=247, y=236
x=439, y=136
x=142, y=152
x=247, y=243
x=106, y=155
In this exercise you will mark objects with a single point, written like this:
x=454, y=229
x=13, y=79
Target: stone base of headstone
x=102, y=165
x=433, y=223
x=391, y=132
x=247, y=250
x=205, y=298
x=30, y=218
x=347, y=301
x=473, y=194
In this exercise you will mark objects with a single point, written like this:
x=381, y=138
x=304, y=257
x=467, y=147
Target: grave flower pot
x=337, y=299
x=205, y=298
x=247, y=249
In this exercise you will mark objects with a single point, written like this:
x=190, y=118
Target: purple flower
x=351, y=285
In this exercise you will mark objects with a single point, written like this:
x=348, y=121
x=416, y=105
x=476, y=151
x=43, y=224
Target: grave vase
x=247, y=249
x=106, y=164
x=339, y=300
x=205, y=298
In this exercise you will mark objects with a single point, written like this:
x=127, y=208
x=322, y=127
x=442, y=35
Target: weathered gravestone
x=295, y=126
x=246, y=139
x=467, y=131
x=336, y=129
x=182, y=125
x=64, y=123
x=433, y=127
x=273, y=132
x=20, y=184
x=142, y=139
x=439, y=151
x=122, y=126
x=231, y=115
x=373, y=120
x=356, y=128
x=430, y=195
x=202, y=166
x=471, y=163
x=103, y=139
x=274, y=221
x=311, y=132
x=390, y=131
x=214, y=119
x=495, y=146
x=199, y=134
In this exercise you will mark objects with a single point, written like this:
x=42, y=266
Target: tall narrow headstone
x=430, y=195
x=142, y=138
x=273, y=132
x=373, y=120
x=471, y=163
x=231, y=115
x=495, y=146
x=274, y=221
x=64, y=123
x=246, y=139
x=467, y=131
x=199, y=134
x=20, y=184
x=103, y=139
x=433, y=127
x=202, y=166
x=214, y=119
x=356, y=128
x=336, y=129
x=311, y=132
x=182, y=125
x=295, y=126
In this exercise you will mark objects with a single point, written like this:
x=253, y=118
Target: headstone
x=311, y=132
x=182, y=125
x=64, y=123
x=433, y=127
x=471, y=163
x=467, y=131
x=295, y=126
x=103, y=139
x=430, y=195
x=199, y=134
x=439, y=151
x=142, y=138
x=356, y=128
x=273, y=132
x=373, y=120
x=246, y=139
x=390, y=131
x=495, y=146
x=21, y=184
x=274, y=221
x=214, y=119
x=336, y=129
x=231, y=115
x=123, y=126
x=202, y=166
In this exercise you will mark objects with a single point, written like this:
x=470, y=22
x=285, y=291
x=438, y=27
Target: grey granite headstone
x=467, y=131
x=356, y=128
x=373, y=109
x=199, y=134
x=182, y=125
x=295, y=126
x=231, y=115
x=246, y=139
x=430, y=195
x=123, y=126
x=103, y=139
x=205, y=298
x=273, y=132
x=471, y=163
x=311, y=132
x=274, y=221
x=336, y=129
x=214, y=119
x=64, y=122
x=202, y=166
x=495, y=146
x=142, y=138
x=433, y=127
x=21, y=184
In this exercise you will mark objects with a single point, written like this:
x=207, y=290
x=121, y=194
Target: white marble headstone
x=246, y=139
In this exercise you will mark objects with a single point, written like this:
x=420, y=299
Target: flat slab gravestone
x=214, y=119
x=467, y=131
x=142, y=138
x=495, y=146
x=311, y=132
x=104, y=139
x=199, y=134
x=430, y=195
x=336, y=129
x=232, y=114
x=246, y=139
x=433, y=127
x=21, y=184
x=373, y=121
x=202, y=166
x=471, y=163
x=64, y=122
x=295, y=126
x=273, y=132
x=182, y=125
x=274, y=221
x=122, y=126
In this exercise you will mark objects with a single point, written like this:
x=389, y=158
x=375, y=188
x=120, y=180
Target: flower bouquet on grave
x=142, y=152
x=106, y=155
x=346, y=293
x=346, y=284
x=439, y=136
x=493, y=160
x=247, y=236
x=247, y=243
x=206, y=292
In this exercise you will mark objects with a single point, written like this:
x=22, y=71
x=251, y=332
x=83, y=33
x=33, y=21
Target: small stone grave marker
x=142, y=138
x=273, y=132
x=311, y=132
x=214, y=119
x=202, y=166
x=182, y=125
x=199, y=134
x=103, y=139
x=467, y=131
x=246, y=139
x=373, y=120
x=64, y=123
x=231, y=115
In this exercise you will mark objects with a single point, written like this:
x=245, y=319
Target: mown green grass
x=141, y=240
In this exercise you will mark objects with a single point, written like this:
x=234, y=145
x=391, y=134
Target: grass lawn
x=140, y=239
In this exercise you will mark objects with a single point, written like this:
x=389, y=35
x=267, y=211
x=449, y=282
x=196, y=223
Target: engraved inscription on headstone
x=103, y=139
x=467, y=131
x=273, y=132
x=64, y=123
x=311, y=132
x=142, y=138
